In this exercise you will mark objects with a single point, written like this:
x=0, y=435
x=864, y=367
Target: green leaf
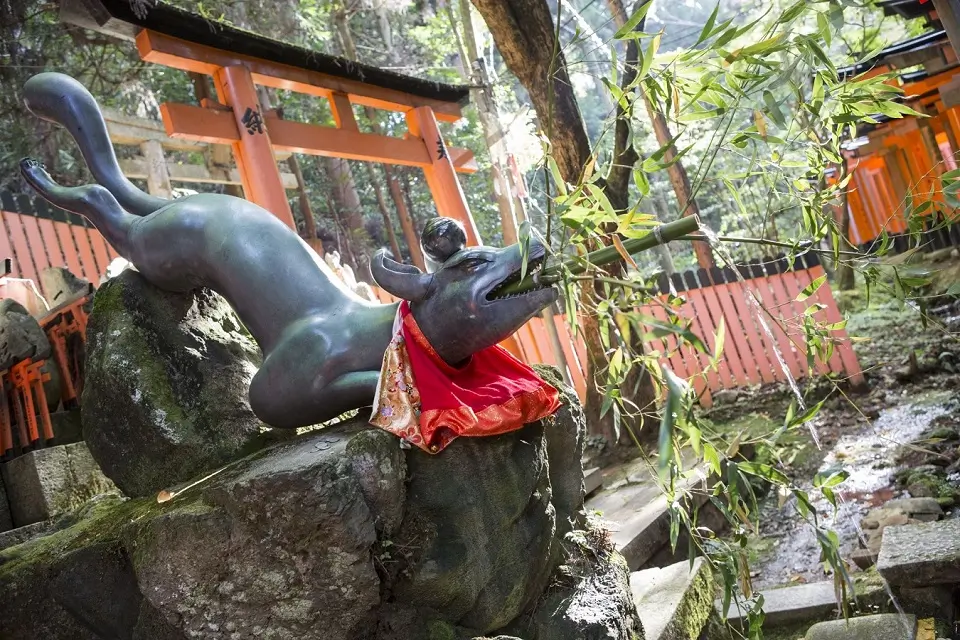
x=773, y=109
x=631, y=24
x=708, y=28
x=720, y=336
x=648, y=56
x=764, y=471
x=811, y=288
x=676, y=390
x=643, y=183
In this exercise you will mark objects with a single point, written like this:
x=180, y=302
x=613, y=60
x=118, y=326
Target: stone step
x=884, y=626
x=637, y=511
x=920, y=555
x=674, y=602
x=787, y=605
x=592, y=480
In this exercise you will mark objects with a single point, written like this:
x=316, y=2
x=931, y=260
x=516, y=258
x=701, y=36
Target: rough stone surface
x=338, y=534
x=674, y=602
x=886, y=626
x=6, y=521
x=13, y=537
x=929, y=602
x=45, y=483
x=789, y=605
x=62, y=287
x=21, y=337
x=67, y=426
x=591, y=600
x=483, y=519
x=165, y=393
x=925, y=509
x=921, y=555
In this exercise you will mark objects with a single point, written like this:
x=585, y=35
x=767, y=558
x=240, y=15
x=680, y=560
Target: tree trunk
x=387, y=225
x=846, y=278
x=676, y=171
x=348, y=206
x=349, y=49
x=474, y=72
x=524, y=33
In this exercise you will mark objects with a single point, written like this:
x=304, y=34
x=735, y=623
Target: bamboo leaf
x=811, y=288
x=708, y=27
x=630, y=25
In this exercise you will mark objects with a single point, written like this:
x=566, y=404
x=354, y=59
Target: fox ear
x=402, y=280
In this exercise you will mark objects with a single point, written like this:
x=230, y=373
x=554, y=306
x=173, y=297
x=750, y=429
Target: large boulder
x=336, y=534
x=166, y=379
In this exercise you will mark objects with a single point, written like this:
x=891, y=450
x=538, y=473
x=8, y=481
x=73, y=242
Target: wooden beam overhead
x=134, y=131
x=136, y=167
x=179, y=54
x=219, y=127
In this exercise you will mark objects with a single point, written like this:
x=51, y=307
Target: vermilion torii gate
x=238, y=61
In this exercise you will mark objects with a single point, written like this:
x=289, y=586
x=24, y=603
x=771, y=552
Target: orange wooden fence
x=36, y=236
x=750, y=353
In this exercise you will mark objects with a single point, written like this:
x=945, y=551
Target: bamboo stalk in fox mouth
x=660, y=234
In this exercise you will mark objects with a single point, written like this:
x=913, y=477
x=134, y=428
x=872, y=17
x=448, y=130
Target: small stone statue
x=322, y=344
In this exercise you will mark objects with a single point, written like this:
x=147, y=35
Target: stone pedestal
x=47, y=482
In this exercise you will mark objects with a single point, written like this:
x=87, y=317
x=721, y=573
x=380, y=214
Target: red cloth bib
x=428, y=403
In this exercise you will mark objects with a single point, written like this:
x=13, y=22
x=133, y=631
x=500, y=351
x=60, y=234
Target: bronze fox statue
x=322, y=344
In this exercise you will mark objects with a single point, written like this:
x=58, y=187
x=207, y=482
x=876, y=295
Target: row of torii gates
x=899, y=161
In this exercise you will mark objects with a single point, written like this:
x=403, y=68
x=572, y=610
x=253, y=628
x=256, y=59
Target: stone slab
x=885, y=626
x=13, y=537
x=45, y=483
x=674, y=602
x=920, y=555
x=788, y=605
x=925, y=509
x=592, y=480
x=637, y=511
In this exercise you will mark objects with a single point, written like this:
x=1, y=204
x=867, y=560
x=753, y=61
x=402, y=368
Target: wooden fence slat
x=759, y=342
x=729, y=358
x=86, y=253
x=69, y=247
x=574, y=366
x=668, y=344
x=23, y=261
x=99, y=246
x=718, y=377
x=797, y=281
x=35, y=244
x=845, y=348
x=6, y=247
x=734, y=327
x=785, y=313
x=761, y=287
